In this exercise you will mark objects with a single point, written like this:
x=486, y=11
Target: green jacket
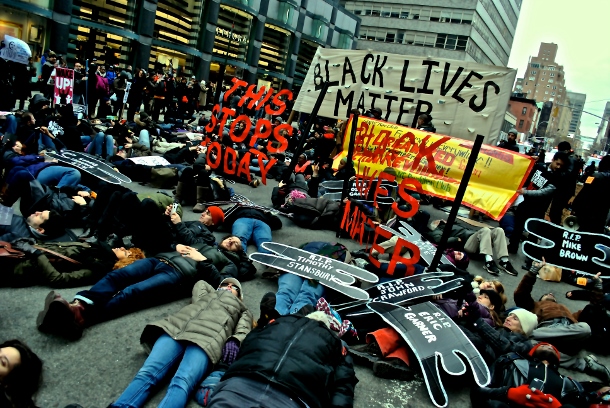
x=162, y=201
x=48, y=269
x=459, y=234
x=209, y=321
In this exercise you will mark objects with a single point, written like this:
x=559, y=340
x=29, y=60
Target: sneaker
x=508, y=268
x=596, y=369
x=393, y=369
x=491, y=267
x=268, y=311
x=366, y=354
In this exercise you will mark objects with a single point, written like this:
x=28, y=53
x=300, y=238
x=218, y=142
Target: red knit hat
x=533, y=350
x=218, y=216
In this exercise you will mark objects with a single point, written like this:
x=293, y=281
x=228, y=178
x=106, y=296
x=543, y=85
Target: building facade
x=268, y=41
x=576, y=102
x=544, y=81
x=525, y=111
x=467, y=30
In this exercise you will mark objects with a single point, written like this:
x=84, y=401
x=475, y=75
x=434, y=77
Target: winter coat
x=40, y=197
x=509, y=145
x=203, y=94
x=589, y=207
x=138, y=150
x=33, y=163
x=450, y=307
x=301, y=356
x=48, y=269
x=459, y=234
x=314, y=213
x=209, y=321
x=545, y=310
x=162, y=201
x=193, y=232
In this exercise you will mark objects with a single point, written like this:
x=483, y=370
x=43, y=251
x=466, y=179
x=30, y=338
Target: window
x=523, y=111
x=532, y=78
x=404, y=14
x=533, y=72
x=535, y=65
x=390, y=37
x=552, y=75
x=551, y=81
x=542, y=79
x=521, y=123
x=543, y=72
x=553, y=93
x=548, y=86
x=554, y=87
x=546, y=92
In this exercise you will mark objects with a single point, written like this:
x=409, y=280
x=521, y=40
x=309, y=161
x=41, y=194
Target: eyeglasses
x=231, y=286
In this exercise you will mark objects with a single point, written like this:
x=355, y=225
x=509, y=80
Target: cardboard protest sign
x=329, y=272
x=15, y=50
x=437, y=163
x=150, y=160
x=127, y=89
x=64, y=86
x=275, y=138
x=91, y=165
x=434, y=338
x=465, y=98
x=584, y=252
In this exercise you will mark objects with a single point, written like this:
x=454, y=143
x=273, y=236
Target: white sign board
x=15, y=50
x=150, y=161
x=464, y=98
x=127, y=89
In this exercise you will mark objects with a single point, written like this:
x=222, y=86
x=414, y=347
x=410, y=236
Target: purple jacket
x=449, y=306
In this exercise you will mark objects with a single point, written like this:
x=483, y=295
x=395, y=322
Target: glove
x=472, y=311
x=229, y=351
x=525, y=397
x=25, y=245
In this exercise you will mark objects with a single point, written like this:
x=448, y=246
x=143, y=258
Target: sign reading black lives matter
x=464, y=98
x=329, y=272
x=434, y=338
x=584, y=252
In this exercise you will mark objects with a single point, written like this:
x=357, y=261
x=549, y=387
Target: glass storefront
x=232, y=34
x=164, y=59
x=178, y=21
x=307, y=50
x=274, y=50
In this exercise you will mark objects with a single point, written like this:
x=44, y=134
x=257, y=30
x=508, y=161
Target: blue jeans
x=45, y=142
x=59, y=176
x=295, y=292
x=144, y=283
x=10, y=125
x=144, y=138
x=166, y=353
x=249, y=228
x=254, y=165
x=96, y=146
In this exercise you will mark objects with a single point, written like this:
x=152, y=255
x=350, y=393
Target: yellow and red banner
x=438, y=163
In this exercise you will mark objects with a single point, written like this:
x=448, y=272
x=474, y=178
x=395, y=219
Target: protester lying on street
x=252, y=224
x=20, y=374
x=194, y=340
x=532, y=379
x=197, y=185
x=196, y=232
x=482, y=241
x=556, y=324
x=41, y=225
x=144, y=283
x=295, y=360
x=64, y=264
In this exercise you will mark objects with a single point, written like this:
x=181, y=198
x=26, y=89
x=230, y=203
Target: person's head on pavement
x=48, y=223
x=521, y=321
x=212, y=216
x=548, y=297
x=490, y=299
x=20, y=372
x=231, y=243
x=233, y=286
x=126, y=256
x=545, y=352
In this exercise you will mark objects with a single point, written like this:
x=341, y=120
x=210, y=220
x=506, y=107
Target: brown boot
x=178, y=196
x=202, y=198
x=61, y=318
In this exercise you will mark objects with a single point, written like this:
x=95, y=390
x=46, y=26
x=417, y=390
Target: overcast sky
x=581, y=29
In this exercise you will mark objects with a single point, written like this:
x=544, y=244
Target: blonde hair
x=136, y=254
x=497, y=286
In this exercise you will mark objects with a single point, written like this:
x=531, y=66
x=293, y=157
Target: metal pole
x=312, y=117
x=476, y=148
x=350, y=162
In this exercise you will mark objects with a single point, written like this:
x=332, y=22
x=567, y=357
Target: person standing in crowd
x=47, y=70
x=80, y=85
x=200, y=335
x=591, y=209
x=203, y=96
x=511, y=142
x=424, y=122
x=21, y=84
x=567, y=187
x=134, y=100
x=541, y=185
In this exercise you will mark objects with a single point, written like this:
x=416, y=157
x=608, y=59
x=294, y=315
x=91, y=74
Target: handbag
x=6, y=250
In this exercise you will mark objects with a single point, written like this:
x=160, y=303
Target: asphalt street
x=95, y=370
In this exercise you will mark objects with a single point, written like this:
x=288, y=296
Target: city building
x=269, y=41
x=467, y=30
x=576, y=102
x=525, y=112
x=603, y=131
x=544, y=81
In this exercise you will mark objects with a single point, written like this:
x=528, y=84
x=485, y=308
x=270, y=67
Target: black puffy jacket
x=300, y=356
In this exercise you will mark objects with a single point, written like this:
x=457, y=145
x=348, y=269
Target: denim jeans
x=45, y=142
x=144, y=138
x=295, y=292
x=142, y=284
x=250, y=229
x=10, y=125
x=165, y=354
x=59, y=176
x=97, y=145
x=254, y=165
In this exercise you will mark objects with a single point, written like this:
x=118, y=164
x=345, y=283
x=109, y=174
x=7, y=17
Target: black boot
x=268, y=311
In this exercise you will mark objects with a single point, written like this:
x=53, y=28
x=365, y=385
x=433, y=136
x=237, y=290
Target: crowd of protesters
x=300, y=352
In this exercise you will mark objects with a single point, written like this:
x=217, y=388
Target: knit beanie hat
x=528, y=320
x=218, y=216
x=494, y=298
x=461, y=263
x=533, y=350
x=513, y=131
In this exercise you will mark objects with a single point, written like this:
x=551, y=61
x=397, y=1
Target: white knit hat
x=528, y=320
